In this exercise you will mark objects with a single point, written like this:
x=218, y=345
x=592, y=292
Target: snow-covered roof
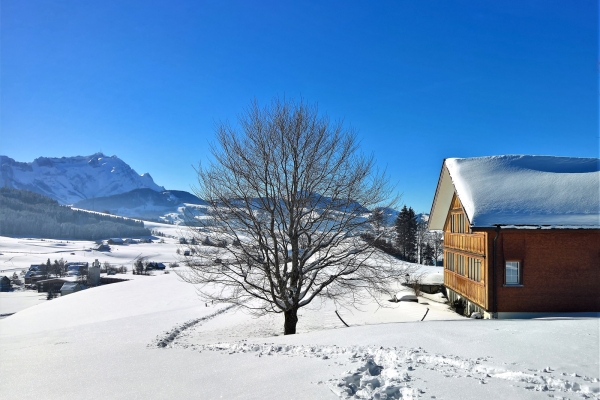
x=521, y=191
x=69, y=286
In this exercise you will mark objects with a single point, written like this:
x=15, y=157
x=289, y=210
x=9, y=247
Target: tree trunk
x=291, y=318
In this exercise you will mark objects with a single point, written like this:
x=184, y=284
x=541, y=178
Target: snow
x=151, y=337
x=70, y=179
x=522, y=190
x=12, y=302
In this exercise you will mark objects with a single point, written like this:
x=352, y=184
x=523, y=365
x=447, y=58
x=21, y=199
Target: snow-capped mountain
x=71, y=179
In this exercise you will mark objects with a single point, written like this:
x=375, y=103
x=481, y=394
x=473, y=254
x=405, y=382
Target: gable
x=456, y=220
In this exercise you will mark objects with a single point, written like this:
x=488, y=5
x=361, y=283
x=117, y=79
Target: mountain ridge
x=72, y=179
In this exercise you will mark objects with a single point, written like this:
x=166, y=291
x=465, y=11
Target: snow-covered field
x=19, y=253
x=153, y=338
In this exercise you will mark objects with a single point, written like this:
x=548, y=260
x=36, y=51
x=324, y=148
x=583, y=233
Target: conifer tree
x=428, y=255
x=406, y=234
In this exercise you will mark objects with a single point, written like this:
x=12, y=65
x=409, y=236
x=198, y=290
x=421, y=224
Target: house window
x=475, y=269
x=461, y=265
x=449, y=260
x=513, y=273
x=458, y=223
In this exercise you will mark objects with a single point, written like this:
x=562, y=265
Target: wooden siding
x=471, y=243
x=474, y=291
x=456, y=204
x=463, y=245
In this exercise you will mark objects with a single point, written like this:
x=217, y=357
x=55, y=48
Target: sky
x=419, y=81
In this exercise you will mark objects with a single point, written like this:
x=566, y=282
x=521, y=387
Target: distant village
x=60, y=278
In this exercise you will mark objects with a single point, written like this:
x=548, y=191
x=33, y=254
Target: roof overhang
x=442, y=200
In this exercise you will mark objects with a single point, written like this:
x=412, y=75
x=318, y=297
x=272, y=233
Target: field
x=151, y=337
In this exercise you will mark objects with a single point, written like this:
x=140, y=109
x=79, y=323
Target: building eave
x=442, y=199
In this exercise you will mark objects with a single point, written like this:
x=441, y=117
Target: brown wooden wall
x=560, y=270
x=459, y=241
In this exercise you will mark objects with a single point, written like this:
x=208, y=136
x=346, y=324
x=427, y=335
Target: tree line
x=410, y=240
x=25, y=213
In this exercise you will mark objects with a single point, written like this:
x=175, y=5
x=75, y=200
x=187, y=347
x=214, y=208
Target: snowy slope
x=70, y=179
x=152, y=339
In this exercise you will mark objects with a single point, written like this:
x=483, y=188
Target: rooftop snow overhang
x=520, y=192
x=538, y=227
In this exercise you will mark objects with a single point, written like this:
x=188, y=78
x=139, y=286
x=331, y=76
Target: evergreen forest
x=25, y=213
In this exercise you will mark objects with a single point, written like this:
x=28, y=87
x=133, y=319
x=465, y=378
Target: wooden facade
x=465, y=257
x=559, y=268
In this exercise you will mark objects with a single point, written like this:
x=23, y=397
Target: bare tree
x=140, y=265
x=436, y=241
x=421, y=236
x=289, y=195
x=377, y=219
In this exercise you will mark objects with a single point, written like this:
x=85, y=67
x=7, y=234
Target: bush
x=459, y=306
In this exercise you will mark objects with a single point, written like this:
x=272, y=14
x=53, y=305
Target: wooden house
x=521, y=234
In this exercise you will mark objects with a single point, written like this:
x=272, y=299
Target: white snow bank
x=525, y=190
x=12, y=302
x=150, y=295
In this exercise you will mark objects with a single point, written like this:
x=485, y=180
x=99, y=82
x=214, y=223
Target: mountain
x=142, y=203
x=72, y=179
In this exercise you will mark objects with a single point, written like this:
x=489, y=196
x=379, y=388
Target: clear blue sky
x=419, y=81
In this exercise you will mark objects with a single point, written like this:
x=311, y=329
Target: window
x=475, y=269
x=458, y=223
x=461, y=265
x=513, y=273
x=449, y=260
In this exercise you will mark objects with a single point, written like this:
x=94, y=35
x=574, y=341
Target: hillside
x=24, y=213
x=141, y=203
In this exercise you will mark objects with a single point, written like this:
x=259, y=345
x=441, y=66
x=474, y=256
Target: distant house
x=103, y=247
x=77, y=268
x=70, y=287
x=52, y=284
x=118, y=241
x=41, y=268
x=521, y=234
x=5, y=285
x=31, y=277
x=155, y=265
